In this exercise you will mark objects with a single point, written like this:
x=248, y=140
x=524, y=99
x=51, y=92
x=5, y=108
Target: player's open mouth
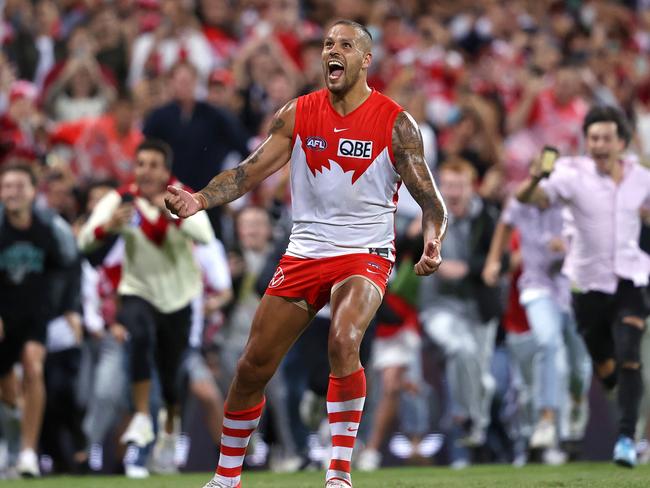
x=335, y=70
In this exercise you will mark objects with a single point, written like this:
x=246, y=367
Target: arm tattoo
x=278, y=124
x=410, y=164
x=231, y=184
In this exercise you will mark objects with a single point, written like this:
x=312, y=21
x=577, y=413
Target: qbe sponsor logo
x=351, y=148
x=316, y=143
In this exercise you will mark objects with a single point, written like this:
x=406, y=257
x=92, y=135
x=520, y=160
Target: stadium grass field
x=571, y=475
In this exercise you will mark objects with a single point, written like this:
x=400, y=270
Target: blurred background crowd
x=490, y=82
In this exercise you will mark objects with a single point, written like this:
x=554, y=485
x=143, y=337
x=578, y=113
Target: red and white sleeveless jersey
x=343, y=180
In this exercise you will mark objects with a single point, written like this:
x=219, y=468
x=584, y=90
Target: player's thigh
x=277, y=324
x=354, y=304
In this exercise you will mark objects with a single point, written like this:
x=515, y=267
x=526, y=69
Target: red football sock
x=237, y=430
x=345, y=399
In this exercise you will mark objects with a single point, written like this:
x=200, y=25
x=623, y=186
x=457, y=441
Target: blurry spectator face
x=106, y=26
x=546, y=55
x=151, y=174
x=183, y=83
x=283, y=14
x=567, y=85
x=253, y=229
x=279, y=89
x=431, y=32
x=345, y=57
x=81, y=43
x=22, y=97
x=17, y=193
x=171, y=8
x=603, y=144
x=47, y=15
x=215, y=12
x=457, y=188
x=221, y=90
x=123, y=113
x=261, y=64
x=21, y=109
x=60, y=196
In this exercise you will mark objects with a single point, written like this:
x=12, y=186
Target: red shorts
x=314, y=279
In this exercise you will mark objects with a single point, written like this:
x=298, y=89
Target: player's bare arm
x=411, y=166
x=229, y=185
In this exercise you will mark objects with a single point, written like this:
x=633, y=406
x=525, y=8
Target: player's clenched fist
x=430, y=260
x=181, y=202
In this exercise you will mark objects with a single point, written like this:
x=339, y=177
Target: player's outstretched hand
x=181, y=202
x=430, y=260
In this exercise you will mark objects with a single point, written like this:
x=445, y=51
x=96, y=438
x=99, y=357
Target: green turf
x=572, y=475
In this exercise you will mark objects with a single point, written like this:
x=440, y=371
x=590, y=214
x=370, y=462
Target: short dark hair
x=608, y=113
x=182, y=63
x=19, y=168
x=360, y=27
x=159, y=146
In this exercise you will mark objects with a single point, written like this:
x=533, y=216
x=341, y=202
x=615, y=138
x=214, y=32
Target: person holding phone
x=160, y=278
x=604, y=192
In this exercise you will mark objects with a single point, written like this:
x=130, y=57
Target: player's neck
x=347, y=102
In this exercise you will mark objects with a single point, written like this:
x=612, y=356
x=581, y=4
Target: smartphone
x=549, y=156
x=127, y=197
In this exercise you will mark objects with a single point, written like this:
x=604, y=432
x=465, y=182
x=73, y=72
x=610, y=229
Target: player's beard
x=349, y=79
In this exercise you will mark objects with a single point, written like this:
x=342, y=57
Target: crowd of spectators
x=490, y=82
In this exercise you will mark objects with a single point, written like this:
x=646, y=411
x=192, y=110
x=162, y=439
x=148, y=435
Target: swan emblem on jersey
x=277, y=279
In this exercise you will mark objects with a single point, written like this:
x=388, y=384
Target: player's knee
x=253, y=373
x=343, y=344
x=628, y=333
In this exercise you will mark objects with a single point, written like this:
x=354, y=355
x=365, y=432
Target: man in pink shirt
x=604, y=193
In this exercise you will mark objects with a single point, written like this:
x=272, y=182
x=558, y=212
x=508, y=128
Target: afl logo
x=316, y=143
x=277, y=279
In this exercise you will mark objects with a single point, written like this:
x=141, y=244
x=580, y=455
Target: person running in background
x=159, y=280
x=544, y=293
x=36, y=249
x=604, y=192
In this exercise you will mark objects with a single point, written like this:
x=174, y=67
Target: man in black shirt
x=36, y=247
x=202, y=137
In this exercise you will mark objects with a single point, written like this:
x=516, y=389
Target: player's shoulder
x=316, y=97
x=381, y=99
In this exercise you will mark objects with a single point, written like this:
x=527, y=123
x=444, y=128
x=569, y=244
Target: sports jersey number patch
x=350, y=148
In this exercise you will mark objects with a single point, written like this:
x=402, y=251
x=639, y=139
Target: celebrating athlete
x=349, y=148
